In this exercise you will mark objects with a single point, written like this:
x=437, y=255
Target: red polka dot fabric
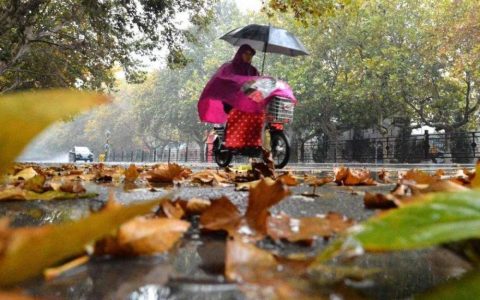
x=244, y=129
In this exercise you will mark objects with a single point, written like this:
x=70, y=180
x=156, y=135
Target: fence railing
x=437, y=148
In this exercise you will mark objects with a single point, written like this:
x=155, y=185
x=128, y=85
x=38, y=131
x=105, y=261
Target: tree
x=76, y=43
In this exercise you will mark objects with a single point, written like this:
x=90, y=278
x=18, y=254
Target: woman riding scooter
x=237, y=94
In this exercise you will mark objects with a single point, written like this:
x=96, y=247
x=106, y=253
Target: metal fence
x=437, y=148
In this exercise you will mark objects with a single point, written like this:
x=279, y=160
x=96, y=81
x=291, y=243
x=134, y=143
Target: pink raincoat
x=225, y=87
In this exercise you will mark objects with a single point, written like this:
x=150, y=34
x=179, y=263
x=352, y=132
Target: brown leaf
x=384, y=176
x=196, y=206
x=11, y=295
x=35, y=184
x=143, y=236
x=262, y=170
x=261, y=197
x=288, y=179
x=314, y=181
x=168, y=173
x=171, y=209
x=420, y=177
x=131, y=174
x=348, y=177
x=221, y=215
x=378, y=200
x=73, y=186
x=308, y=228
x=211, y=177
x=273, y=278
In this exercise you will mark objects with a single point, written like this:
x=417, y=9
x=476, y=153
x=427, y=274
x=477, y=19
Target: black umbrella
x=266, y=38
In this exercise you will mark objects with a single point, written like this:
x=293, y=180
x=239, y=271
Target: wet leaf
x=4, y=295
x=349, y=177
x=27, y=251
x=221, y=215
x=195, y=206
x=52, y=273
x=465, y=288
x=273, y=278
x=288, y=179
x=384, y=176
x=475, y=180
x=224, y=215
x=171, y=209
x=373, y=201
x=25, y=174
x=21, y=194
x=131, y=174
x=261, y=197
x=316, y=182
x=35, y=184
x=420, y=177
x=246, y=186
x=168, y=173
x=143, y=236
x=26, y=114
x=307, y=228
x=431, y=220
x=211, y=177
x=328, y=274
x=73, y=186
x=241, y=257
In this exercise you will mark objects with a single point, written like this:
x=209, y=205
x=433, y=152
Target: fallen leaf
x=171, y=209
x=131, y=174
x=420, y=177
x=246, y=186
x=475, y=179
x=7, y=295
x=29, y=250
x=249, y=265
x=35, y=184
x=168, y=173
x=373, y=201
x=52, y=273
x=20, y=194
x=195, y=206
x=143, y=236
x=306, y=228
x=73, y=186
x=26, y=114
x=25, y=174
x=261, y=197
x=288, y=179
x=211, y=177
x=316, y=182
x=349, y=177
x=221, y=215
x=384, y=176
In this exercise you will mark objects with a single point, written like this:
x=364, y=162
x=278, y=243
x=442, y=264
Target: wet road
x=193, y=270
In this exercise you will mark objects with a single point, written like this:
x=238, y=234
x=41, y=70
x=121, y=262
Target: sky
x=246, y=5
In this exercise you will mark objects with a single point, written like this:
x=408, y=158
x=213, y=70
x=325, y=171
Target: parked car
x=80, y=153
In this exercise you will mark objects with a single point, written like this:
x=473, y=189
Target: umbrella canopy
x=266, y=38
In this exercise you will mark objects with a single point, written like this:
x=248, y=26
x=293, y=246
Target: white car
x=80, y=153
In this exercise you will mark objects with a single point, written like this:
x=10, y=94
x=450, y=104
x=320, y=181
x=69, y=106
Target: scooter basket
x=280, y=110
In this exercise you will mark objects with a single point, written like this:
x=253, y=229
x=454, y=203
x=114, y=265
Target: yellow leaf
x=26, y=114
x=28, y=251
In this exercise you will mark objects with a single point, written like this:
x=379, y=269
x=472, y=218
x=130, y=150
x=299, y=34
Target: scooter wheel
x=280, y=149
x=223, y=158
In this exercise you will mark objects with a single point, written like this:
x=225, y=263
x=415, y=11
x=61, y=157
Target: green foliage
x=465, y=288
x=433, y=220
x=78, y=43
